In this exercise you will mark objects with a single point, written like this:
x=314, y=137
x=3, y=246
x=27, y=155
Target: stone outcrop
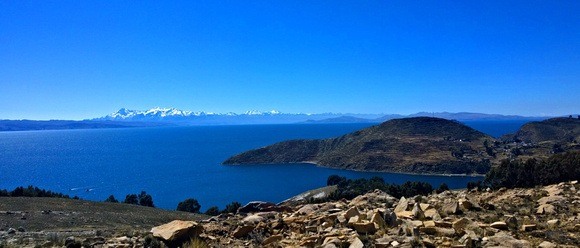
x=177, y=230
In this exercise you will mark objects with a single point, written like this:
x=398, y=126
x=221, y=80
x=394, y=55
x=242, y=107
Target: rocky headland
x=414, y=145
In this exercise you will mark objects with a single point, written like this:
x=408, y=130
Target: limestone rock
x=364, y=227
x=547, y=244
x=450, y=206
x=253, y=219
x=272, y=239
x=527, y=228
x=499, y=225
x=546, y=209
x=242, y=231
x=402, y=205
x=177, y=230
x=356, y=243
x=352, y=212
x=418, y=212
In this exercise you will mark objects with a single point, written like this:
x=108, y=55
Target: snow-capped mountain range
x=174, y=115
x=157, y=112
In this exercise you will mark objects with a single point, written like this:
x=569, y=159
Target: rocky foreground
x=540, y=217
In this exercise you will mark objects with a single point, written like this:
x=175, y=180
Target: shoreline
x=372, y=171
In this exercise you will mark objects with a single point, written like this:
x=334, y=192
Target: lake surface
x=175, y=163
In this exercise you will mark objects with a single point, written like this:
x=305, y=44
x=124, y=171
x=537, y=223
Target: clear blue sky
x=83, y=59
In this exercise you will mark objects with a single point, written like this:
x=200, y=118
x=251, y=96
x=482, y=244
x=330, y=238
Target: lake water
x=175, y=163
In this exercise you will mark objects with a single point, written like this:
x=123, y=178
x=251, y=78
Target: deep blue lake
x=175, y=163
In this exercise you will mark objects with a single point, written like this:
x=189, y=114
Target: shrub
x=112, y=199
x=145, y=199
x=213, y=211
x=131, y=199
x=443, y=187
x=232, y=207
x=189, y=205
x=533, y=172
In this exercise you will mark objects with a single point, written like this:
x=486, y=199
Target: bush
x=131, y=199
x=533, y=172
x=145, y=199
x=189, y=205
x=112, y=199
x=348, y=188
x=31, y=191
x=232, y=207
x=442, y=188
x=213, y=211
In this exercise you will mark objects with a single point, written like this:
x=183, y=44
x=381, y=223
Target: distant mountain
x=25, y=125
x=341, y=119
x=172, y=116
x=417, y=145
x=181, y=117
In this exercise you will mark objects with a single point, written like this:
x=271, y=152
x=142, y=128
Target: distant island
x=124, y=118
x=425, y=145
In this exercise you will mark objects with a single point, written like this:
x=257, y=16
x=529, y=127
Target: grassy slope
x=67, y=214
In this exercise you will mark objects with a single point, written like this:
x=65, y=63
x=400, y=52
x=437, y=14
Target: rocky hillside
x=558, y=130
x=418, y=145
x=542, y=139
x=547, y=216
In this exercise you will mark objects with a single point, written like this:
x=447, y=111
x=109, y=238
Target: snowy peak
x=159, y=113
x=256, y=112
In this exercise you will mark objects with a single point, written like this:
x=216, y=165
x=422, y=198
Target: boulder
x=553, y=223
x=378, y=220
x=253, y=219
x=364, y=227
x=390, y=218
x=242, y=231
x=546, y=209
x=547, y=244
x=352, y=212
x=503, y=239
x=450, y=206
x=418, y=212
x=272, y=239
x=177, y=230
x=356, y=243
x=260, y=206
x=464, y=224
x=402, y=205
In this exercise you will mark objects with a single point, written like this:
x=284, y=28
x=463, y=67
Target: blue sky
x=82, y=59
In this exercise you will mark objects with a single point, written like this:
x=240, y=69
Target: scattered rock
x=418, y=212
x=260, y=206
x=364, y=227
x=527, y=228
x=356, y=243
x=177, y=230
x=546, y=209
x=450, y=206
x=242, y=231
x=547, y=244
x=553, y=223
x=272, y=239
x=402, y=205
x=499, y=225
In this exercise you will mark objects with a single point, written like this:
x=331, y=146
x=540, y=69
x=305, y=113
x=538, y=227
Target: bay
x=173, y=163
